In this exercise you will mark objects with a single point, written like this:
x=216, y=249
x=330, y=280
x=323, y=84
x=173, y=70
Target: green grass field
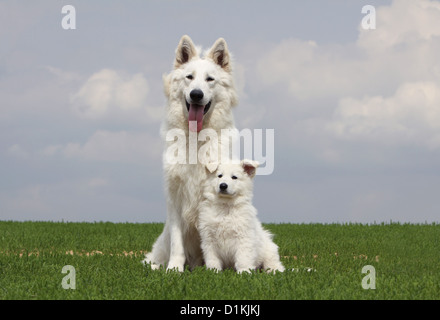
x=327, y=262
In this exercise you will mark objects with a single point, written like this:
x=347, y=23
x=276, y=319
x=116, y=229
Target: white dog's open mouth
x=195, y=115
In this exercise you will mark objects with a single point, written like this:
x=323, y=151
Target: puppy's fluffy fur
x=231, y=234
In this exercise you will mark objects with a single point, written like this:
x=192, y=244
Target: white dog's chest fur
x=185, y=181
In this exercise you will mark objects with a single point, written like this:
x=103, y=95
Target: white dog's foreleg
x=177, y=252
x=213, y=263
x=159, y=254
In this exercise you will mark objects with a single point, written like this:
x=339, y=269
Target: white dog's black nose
x=223, y=186
x=196, y=95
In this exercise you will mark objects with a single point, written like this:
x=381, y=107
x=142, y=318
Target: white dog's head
x=232, y=179
x=201, y=84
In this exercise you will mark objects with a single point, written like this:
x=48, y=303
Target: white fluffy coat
x=179, y=243
x=231, y=234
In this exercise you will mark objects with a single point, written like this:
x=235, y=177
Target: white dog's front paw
x=153, y=266
x=243, y=270
x=175, y=267
x=214, y=266
x=149, y=261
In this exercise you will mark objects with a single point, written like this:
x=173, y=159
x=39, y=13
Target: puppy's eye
x=220, y=175
x=190, y=77
x=234, y=177
x=209, y=79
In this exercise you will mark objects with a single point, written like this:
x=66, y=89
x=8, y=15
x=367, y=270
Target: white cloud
x=405, y=21
x=17, y=151
x=384, y=87
x=410, y=116
x=98, y=182
x=403, y=48
x=106, y=89
x=80, y=199
x=109, y=93
x=107, y=146
x=22, y=203
x=51, y=150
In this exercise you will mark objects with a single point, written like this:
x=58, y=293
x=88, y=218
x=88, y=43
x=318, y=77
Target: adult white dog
x=231, y=234
x=201, y=94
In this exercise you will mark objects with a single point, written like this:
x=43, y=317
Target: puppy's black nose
x=223, y=186
x=196, y=95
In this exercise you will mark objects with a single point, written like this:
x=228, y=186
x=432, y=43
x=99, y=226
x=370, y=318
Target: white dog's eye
x=220, y=175
x=190, y=77
x=209, y=79
x=234, y=177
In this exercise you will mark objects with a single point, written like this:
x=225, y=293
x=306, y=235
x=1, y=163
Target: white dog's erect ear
x=250, y=167
x=219, y=54
x=212, y=166
x=185, y=51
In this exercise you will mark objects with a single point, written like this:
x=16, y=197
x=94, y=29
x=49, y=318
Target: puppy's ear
x=219, y=53
x=185, y=51
x=211, y=166
x=250, y=167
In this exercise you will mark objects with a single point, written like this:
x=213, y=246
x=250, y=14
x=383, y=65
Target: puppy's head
x=232, y=180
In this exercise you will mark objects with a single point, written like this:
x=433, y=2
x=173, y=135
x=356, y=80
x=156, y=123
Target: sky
x=355, y=111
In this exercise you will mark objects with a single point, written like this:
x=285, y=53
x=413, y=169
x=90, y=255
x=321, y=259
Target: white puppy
x=231, y=234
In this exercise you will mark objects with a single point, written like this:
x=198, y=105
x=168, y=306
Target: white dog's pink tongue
x=195, y=117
